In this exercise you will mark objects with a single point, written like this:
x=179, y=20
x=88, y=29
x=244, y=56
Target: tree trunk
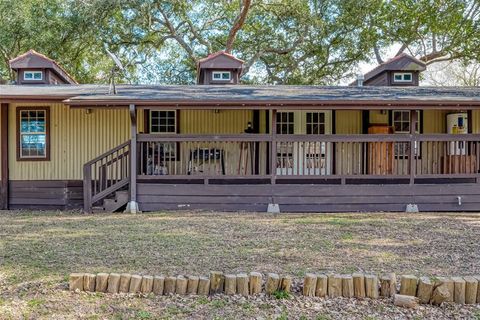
x=158, y=284
x=242, y=284
x=76, y=281
x=124, y=283
x=286, y=284
x=230, y=284
x=113, y=283
x=425, y=290
x=334, y=285
x=408, y=285
x=459, y=287
x=449, y=285
x=217, y=280
x=321, y=289
x=203, y=286
x=405, y=301
x=309, y=285
x=358, y=285
x=255, y=283
x=273, y=281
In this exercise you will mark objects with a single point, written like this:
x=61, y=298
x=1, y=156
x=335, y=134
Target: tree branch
x=238, y=24
x=377, y=55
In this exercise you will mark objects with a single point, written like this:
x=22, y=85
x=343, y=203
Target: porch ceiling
x=256, y=97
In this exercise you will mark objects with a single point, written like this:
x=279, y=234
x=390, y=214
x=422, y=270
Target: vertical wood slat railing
x=367, y=156
x=105, y=175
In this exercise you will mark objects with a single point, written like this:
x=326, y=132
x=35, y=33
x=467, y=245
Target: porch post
x=4, y=155
x=273, y=149
x=132, y=206
x=413, y=161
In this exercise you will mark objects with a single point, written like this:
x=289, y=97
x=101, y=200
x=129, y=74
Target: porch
x=319, y=171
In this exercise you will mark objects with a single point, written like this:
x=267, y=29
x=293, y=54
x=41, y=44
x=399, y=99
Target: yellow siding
x=348, y=156
x=348, y=122
x=378, y=117
x=76, y=137
x=434, y=121
x=211, y=122
x=476, y=121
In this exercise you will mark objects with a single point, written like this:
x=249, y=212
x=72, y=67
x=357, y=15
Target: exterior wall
x=346, y=156
x=210, y=122
x=76, y=137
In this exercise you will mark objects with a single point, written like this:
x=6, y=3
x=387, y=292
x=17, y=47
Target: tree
x=456, y=73
x=434, y=31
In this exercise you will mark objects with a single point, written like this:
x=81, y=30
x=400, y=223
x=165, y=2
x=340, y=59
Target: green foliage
x=281, y=294
x=281, y=41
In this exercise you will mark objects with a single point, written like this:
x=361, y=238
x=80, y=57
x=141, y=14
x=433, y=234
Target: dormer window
x=33, y=75
x=402, y=77
x=221, y=75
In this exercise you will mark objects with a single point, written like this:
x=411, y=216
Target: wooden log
x=425, y=290
x=471, y=288
x=449, y=285
x=192, y=286
x=181, y=285
x=408, y=285
x=405, y=301
x=321, y=289
x=242, y=284
x=230, y=284
x=255, y=283
x=285, y=284
x=124, y=283
x=272, y=283
x=478, y=289
x=388, y=285
x=203, y=286
x=371, y=286
x=358, y=285
x=147, y=284
x=440, y=294
x=309, y=285
x=113, y=283
x=101, y=282
x=347, y=286
x=89, y=282
x=217, y=280
x=169, y=285
x=459, y=290
x=158, y=284
x=135, y=283
x=76, y=281
x=334, y=285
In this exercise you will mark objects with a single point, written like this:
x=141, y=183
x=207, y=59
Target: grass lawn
x=39, y=250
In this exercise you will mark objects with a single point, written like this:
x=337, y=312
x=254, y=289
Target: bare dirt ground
x=39, y=249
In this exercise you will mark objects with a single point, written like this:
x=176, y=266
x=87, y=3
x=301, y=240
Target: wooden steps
x=113, y=204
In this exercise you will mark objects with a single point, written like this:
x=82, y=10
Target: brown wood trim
x=47, y=127
x=4, y=155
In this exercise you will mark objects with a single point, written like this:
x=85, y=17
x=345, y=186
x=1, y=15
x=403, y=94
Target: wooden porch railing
x=105, y=174
x=279, y=158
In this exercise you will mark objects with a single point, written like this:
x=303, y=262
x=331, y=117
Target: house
x=382, y=144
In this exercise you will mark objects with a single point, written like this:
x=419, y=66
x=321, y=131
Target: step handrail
x=106, y=174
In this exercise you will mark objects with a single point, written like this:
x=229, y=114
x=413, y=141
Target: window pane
x=33, y=145
x=398, y=77
x=407, y=77
x=217, y=76
x=37, y=76
x=226, y=76
x=28, y=75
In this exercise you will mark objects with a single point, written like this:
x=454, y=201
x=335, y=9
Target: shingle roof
x=242, y=94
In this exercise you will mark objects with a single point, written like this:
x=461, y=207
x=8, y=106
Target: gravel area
x=39, y=249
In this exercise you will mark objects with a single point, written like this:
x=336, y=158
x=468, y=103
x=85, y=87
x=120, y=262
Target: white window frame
x=33, y=73
x=221, y=73
x=403, y=74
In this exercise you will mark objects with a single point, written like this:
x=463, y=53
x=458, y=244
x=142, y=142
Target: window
x=315, y=123
x=33, y=134
x=163, y=122
x=285, y=123
x=221, y=75
x=33, y=75
x=402, y=77
x=401, y=124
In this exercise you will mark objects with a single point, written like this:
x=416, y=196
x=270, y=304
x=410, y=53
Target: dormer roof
x=33, y=59
x=402, y=62
x=220, y=59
